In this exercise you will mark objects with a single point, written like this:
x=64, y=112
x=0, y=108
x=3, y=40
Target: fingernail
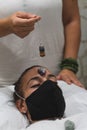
x=82, y=86
x=34, y=16
x=69, y=82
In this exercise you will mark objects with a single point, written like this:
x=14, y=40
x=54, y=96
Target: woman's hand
x=22, y=23
x=69, y=77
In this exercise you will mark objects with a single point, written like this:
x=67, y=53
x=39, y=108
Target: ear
x=21, y=105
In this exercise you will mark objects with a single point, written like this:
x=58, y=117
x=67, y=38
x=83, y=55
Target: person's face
x=33, y=79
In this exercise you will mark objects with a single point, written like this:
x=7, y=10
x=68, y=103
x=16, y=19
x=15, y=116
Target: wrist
x=5, y=27
x=69, y=64
x=9, y=25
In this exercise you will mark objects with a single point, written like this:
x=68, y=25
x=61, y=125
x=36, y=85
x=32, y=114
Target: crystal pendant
x=42, y=71
x=41, y=50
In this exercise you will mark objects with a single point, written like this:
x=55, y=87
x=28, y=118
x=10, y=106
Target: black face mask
x=46, y=102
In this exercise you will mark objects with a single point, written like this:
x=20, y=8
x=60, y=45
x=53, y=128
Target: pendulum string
x=24, y=5
x=41, y=47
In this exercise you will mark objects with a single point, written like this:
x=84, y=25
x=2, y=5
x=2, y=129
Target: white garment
x=17, y=54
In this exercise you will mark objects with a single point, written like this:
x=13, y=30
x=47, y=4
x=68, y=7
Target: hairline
x=18, y=84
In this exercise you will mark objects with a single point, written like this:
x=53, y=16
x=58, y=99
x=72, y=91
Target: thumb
x=59, y=77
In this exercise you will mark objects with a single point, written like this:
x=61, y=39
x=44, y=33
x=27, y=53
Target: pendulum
x=42, y=50
x=41, y=46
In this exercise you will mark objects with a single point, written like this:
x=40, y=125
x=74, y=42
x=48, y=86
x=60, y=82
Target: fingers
x=23, y=23
x=70, y=80
x=64, y=78
x=24, y=28
x=26, y=15
x=76, y=82
x=69, y=77
x=26, y=19
x=23, y=32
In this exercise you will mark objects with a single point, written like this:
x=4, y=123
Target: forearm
x=4, y=27
x=71, y=22
x=72, y=39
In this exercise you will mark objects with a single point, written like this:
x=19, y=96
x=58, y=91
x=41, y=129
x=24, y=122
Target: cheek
x=29, y=92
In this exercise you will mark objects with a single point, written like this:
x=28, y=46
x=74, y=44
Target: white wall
x=82, y=74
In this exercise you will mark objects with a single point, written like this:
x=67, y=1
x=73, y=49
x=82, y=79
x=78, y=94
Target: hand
x=22, y=23
x=69, y=77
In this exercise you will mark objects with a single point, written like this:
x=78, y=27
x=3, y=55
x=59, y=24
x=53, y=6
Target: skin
x=19, y=23
x=31, y=81
x=72, y=32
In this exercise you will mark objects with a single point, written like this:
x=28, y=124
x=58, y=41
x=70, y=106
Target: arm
x=72, y=32
x=4, y=27
x=71, y=21
x=19, y=23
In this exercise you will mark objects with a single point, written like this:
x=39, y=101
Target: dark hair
x=18, y=84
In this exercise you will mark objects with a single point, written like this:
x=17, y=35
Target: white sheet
x=9, y=115
x=79, y=120
x=75, y=97
x=76, y=110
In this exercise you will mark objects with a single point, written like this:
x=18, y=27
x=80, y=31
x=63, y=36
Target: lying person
x=38, y=96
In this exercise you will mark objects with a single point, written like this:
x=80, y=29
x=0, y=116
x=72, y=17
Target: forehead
x=32, y=73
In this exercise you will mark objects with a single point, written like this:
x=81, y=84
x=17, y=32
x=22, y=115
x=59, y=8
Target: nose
x=44, y=79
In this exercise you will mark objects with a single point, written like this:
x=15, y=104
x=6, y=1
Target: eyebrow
x=51, y=75
x=34, y=78
x=37, y=78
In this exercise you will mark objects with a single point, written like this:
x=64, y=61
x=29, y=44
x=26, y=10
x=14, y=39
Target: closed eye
x=52, y=77
x=35, y=86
